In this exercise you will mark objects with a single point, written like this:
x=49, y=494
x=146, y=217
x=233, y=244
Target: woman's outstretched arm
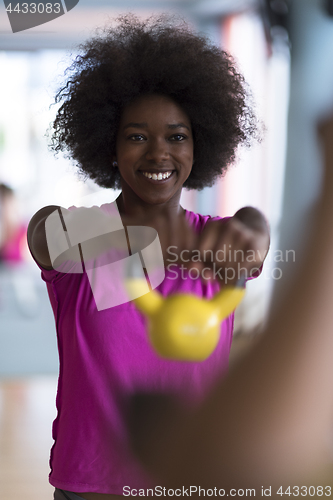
x=271, y=420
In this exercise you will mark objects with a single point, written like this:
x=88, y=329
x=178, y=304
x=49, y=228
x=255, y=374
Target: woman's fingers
x=229, y=250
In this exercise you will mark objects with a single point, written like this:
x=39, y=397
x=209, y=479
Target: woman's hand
x=229, y=250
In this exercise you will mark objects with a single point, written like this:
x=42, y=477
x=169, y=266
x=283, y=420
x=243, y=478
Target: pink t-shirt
x=105, y=358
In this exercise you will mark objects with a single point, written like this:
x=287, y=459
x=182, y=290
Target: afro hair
x=161, y=55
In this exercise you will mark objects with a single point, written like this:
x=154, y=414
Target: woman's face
x=154, y=150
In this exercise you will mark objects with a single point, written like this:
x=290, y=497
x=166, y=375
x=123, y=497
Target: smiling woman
x=150, y=107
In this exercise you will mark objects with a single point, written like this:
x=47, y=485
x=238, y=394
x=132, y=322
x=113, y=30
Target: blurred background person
x=14, y=253
x=13, y=245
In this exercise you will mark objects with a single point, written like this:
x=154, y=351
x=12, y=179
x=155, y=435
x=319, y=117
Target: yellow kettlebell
x=183, y=326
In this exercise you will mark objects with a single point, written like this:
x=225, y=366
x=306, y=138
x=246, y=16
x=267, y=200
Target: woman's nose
x=157, y=150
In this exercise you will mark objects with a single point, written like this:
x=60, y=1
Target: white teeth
x=157, y=177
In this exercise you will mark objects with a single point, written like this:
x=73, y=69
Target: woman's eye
x=136, y=137
x=178, y=137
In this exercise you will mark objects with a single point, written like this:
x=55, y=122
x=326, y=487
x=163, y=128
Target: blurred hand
x=229, y=250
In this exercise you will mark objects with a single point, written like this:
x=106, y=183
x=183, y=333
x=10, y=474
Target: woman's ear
x=114, y=162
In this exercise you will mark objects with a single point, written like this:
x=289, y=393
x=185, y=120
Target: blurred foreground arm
x=270, y=421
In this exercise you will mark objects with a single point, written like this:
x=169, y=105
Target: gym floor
x=27, y=410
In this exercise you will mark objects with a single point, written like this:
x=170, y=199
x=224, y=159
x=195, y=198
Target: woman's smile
x=157, y=176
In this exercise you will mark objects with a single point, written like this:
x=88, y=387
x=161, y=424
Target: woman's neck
x=142, y=210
